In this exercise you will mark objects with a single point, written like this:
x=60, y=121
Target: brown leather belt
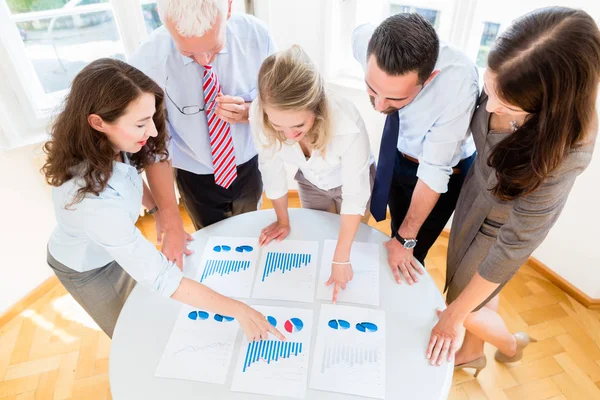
x=409, y=158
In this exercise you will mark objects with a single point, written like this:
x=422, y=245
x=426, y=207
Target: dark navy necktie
x=385, y=167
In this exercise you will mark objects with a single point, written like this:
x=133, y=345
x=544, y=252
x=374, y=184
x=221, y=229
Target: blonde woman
x=295, y=120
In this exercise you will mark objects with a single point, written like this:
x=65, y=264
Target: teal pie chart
x=223, y=318
x=339, y=324
x=244, y=249
x=366, y=327
x=221, y=248
x=198, y=315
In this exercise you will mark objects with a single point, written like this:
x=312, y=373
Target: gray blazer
x=495, y=237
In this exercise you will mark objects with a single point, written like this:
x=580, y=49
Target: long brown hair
x=105, y=87
x=548, y=64
x=289, y=80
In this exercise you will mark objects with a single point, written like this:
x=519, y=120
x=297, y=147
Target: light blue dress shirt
x=101, y=229
x=434, y=127
x=247, y=44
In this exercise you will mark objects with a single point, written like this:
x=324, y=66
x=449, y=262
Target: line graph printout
x=364, y=286
x=287, y=271
x=349, y=352
x=228, y=265
x=275, y=367
x=200, y=347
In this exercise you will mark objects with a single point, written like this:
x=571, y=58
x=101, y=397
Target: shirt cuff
x=436, y=177
x=168, y=280
x=352, y=209
x=274, y=194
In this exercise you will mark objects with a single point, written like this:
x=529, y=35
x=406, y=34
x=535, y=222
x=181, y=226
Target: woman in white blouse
x=296, y=121
x=112, y=127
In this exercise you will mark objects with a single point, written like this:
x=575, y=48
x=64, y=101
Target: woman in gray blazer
x=534, y=129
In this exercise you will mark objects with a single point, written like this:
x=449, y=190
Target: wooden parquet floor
x=54, y=351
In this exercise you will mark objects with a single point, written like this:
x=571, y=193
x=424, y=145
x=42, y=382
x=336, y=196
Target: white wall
x=571, y=247
x=27, y=221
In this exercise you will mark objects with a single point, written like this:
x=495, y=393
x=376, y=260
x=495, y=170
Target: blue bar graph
x=270, y=350
x=349, y=356
x=284, y=262
x=223, y=267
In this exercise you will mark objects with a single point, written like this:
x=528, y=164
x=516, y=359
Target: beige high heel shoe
x=478, y=364
x=523, y=340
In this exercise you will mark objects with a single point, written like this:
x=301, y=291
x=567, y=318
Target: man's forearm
x=147, y=198
x=422, y=202
x=162, y=186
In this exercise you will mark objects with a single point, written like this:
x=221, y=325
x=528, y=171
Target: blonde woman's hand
x=275, y=231
x=341, y=274
x=255, y=325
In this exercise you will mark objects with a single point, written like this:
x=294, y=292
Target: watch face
x=410, y=243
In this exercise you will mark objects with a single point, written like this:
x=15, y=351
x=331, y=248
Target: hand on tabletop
x=402, y=262
x=446, y=338
x=275, y=231
x=174, y=245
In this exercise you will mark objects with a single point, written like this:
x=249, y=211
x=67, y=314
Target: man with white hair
x=207, y=62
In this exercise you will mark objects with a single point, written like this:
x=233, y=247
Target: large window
x=470, y=25
x=45, y=43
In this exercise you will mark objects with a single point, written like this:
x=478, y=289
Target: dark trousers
x=207, y=203
x=404, y=181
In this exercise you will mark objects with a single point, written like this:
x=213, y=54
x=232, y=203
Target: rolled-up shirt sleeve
x=528, y=224
x=356, y=162
x=110, y=226
x=443, y=141
x=270, y=163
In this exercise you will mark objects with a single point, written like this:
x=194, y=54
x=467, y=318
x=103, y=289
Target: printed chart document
x=200, y=347
x=364, y=286
x=228, y=265
x=349, y=353
x=275, y=367
x=287, y=271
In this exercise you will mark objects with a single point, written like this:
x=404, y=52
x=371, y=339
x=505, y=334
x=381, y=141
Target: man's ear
x=433, y=75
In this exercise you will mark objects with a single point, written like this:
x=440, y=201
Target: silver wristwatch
x=406, y=243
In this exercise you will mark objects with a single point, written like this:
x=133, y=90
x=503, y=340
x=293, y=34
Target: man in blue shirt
x=207, y=63
x=428, y=91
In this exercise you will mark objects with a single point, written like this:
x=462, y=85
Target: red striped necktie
x=219, y=131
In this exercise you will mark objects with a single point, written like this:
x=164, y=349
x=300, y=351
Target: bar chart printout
x=200, y=347
x=349, y=354
x=274, y=367
x=228, y=265
x=287, y=271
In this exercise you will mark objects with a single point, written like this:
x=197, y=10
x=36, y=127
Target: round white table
x=147, y=319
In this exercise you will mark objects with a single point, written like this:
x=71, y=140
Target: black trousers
x=207, y=203
x=404, y=181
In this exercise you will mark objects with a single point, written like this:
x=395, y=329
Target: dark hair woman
x=112, y=127
x=535, y=130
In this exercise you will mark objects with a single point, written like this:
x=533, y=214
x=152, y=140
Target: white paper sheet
x=287, y=271
x=364, y=286
x=274, y=367
x=228, y=265
x=200, y=347
x=349, y=353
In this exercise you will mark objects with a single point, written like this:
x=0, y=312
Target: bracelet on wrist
x=154, y=210
x=341, y=263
